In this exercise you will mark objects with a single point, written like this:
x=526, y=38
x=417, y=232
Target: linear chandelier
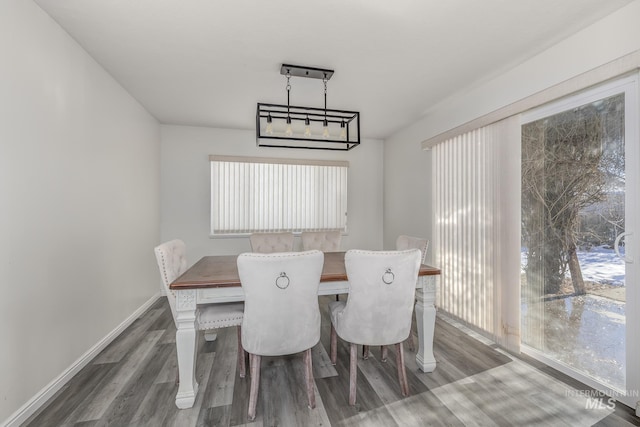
x=289, y=126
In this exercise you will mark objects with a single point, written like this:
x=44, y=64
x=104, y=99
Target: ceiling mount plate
x=302, y=71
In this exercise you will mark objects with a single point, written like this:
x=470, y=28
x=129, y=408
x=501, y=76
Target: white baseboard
x=36, y=402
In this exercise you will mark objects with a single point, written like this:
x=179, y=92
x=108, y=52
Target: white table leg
x=186, y=345
x=426, y=320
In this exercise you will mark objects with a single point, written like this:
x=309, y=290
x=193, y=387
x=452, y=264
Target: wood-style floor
x=133, y=382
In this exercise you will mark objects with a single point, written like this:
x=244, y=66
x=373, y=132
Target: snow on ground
x=602, y=265
x=599, y=264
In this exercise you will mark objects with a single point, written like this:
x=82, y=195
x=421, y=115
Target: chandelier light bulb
x=288, y=131
x=343, y=131
x=325, y=130
x=269, y=129
x=307, y=128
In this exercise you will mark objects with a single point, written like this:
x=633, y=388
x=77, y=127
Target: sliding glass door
x=580, y=191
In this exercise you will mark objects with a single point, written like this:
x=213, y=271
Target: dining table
x=215, y=280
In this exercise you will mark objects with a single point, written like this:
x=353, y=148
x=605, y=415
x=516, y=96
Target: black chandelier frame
x=296, y=116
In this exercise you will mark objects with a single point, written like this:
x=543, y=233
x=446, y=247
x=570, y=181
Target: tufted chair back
x=267, y=243
x=408, y=242
x=382, y=288
x=172, y=261
x=281, y=313
x=325, y=241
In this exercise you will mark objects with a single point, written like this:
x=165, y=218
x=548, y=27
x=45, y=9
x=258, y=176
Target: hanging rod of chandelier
x=290, y=126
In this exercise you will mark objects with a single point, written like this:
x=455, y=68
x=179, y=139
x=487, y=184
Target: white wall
x=185, y=185
x=408, y=174
x=407, y=192
x=79, y=203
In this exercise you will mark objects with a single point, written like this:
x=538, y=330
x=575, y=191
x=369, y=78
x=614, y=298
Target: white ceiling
x=207, y=63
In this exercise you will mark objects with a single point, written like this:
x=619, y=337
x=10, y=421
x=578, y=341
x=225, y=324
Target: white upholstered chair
x=325, y=241
x=409, y=242
x=379, y=308
x=172, y=261
x=267, y=243
x=281, y=314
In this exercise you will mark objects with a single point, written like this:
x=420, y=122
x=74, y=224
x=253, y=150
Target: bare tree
x=567, y=165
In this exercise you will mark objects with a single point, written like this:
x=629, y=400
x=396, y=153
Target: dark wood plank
x=127, y=402
x=73, y=395
x=386, y=377
x=413, y=412
x=196, y=414
x=101, y=397
x=121, y=346
x=621, y=417
x=149, y=413
x=334, y=392
x=217, y=416
x=225, y=374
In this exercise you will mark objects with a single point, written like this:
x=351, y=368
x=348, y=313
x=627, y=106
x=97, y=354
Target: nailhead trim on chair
x=232, y=321
x=164, y=273
x=277, y=254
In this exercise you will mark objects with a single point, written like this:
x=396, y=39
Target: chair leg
x=402, y=373
x=254, y=362
x=308, y=370
x=242, y=364
x=353, y=373
x=411, y=342
x=365, y=352
x=383, y=355
x=334, y=345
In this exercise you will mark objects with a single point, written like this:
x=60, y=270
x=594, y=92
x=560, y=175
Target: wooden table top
x=222, y=271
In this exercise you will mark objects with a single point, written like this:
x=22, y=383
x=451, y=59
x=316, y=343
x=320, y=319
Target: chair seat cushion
x=360, y=332
x=214, y=316
x=336, y=309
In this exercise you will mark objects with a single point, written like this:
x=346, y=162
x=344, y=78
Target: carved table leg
x=186, y=346
x=426, y=321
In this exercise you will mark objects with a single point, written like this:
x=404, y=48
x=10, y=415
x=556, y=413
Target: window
x=580, y=181
x=251, y=194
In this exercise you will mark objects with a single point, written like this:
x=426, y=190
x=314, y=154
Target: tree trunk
x=575, y=271
x=553, y=268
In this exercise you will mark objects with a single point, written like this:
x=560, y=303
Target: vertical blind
x=268, y=195
x=477, y=228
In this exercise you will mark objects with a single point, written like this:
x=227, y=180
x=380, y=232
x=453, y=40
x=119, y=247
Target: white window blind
x=477, y=228
x=269, y=195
